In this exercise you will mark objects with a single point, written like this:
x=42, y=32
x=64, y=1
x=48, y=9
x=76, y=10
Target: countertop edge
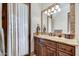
x=57, y=40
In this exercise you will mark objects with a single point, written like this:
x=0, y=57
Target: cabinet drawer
x=66, y=48
x=62, y=54
x=51, y=44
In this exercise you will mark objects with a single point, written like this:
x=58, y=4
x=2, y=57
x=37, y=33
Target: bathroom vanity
x=45, y=45
x=57, y=24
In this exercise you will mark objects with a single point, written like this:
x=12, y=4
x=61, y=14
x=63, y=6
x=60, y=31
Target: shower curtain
x=17, y=29
x=2, y=43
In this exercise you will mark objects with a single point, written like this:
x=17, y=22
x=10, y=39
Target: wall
x=35, y=19
x=45, y=5
x=77, y=21
x=77, y=26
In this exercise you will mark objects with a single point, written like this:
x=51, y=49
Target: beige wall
x=77, y=26
x=45, y=5
x=35, y=19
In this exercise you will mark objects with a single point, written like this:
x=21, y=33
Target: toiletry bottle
x=44, y=30
x=37, y=29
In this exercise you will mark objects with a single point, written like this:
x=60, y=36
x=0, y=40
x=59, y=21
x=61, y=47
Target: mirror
x=58, y=18
x=44, y=20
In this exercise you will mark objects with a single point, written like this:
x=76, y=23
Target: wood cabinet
x=45, y=47
x=67, y=49
x=51, y=52
x=36, y=46
x=60, y=53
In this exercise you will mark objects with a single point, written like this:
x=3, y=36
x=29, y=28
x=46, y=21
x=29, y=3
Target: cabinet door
x=42, y=49
x=51, y=52
x=36, y=46
x=66, y=49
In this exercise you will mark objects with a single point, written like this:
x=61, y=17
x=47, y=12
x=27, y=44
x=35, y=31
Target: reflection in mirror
x=44, y=22
x=60, y=18
x=49, y=24
x=57, y=18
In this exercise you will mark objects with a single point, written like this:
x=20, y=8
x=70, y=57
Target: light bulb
x=48, y=14
x=59, y=9
x=57, y=6
x=52, y=9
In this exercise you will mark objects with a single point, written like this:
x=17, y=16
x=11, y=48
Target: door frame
x=29, y=29
x=4, y=24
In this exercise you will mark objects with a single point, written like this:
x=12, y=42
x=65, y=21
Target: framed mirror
x=58, y=18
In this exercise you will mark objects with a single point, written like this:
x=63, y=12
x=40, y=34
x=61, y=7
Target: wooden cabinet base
x=44, y=47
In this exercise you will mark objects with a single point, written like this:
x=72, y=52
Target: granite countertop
x=72, y=42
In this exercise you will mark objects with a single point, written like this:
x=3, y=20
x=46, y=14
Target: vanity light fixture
x=52, y=10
